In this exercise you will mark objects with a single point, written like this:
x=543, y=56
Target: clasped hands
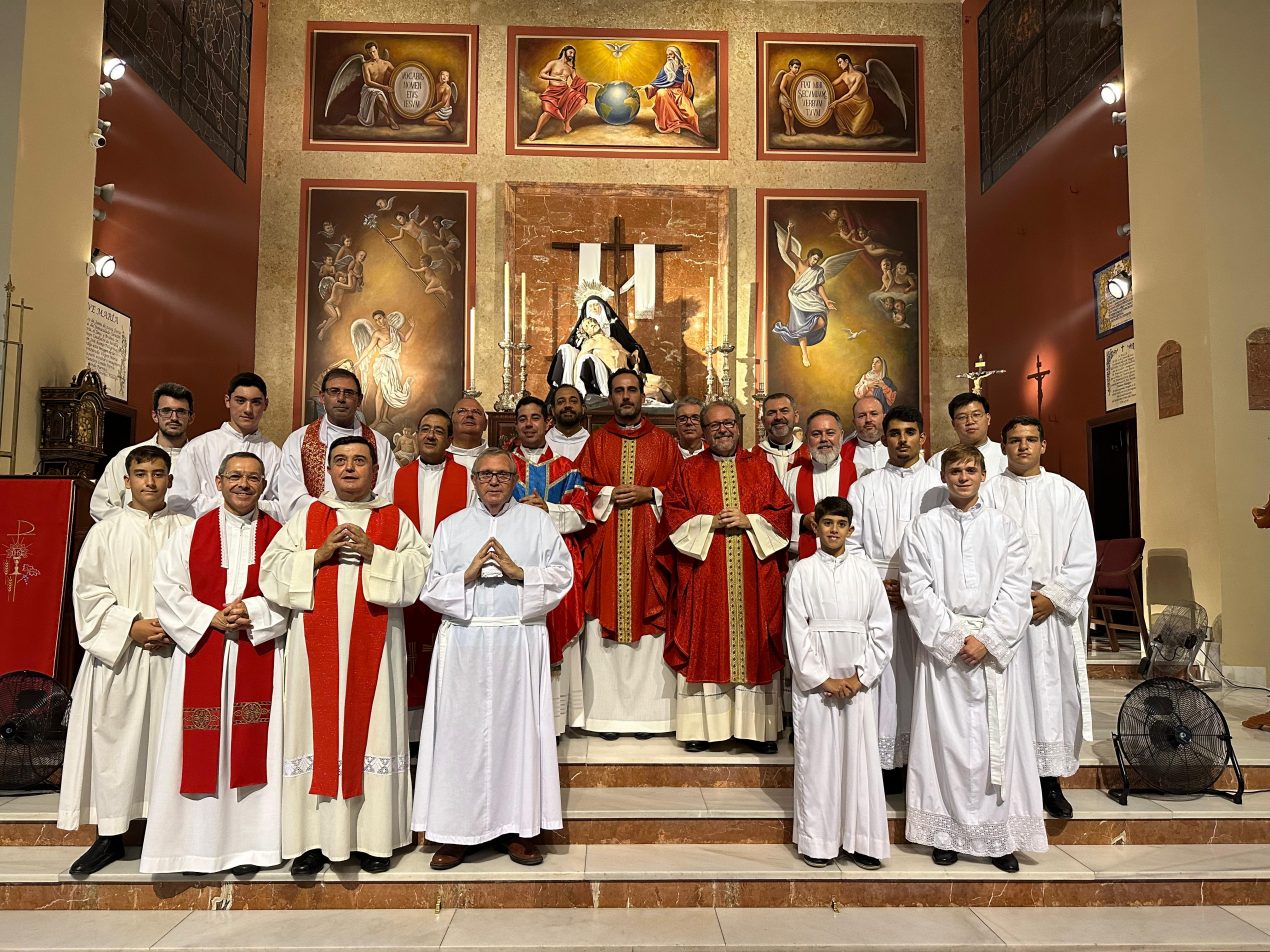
x=972, y=652
x=1042, y=608
x=233, y=619
x=845, y=688
x=149, y=634
x=345, y=538
x=729, y=520
x=624, y=497
x=492, y=553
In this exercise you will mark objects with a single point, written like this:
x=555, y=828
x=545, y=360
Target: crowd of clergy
x=260, y=623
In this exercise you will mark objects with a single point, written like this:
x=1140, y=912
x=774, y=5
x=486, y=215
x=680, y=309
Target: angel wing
x=318, y=265
x=835, y=263
x=776, y=83
x=414, y=214
x=882, y=78
x=447, y=222
x=385, y=204
x=362, y=333
x=795, y=246
x=344, y=77
x=454, y=93
x=344, y=262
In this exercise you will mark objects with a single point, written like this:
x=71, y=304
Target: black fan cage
x=34, y=711
x=1173, y=736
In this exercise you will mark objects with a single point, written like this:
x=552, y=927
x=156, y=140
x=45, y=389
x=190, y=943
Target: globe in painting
x=617, y=103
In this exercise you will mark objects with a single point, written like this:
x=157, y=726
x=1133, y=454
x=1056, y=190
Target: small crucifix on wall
x=1039, y=377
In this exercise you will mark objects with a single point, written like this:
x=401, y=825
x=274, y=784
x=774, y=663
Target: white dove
x=617, y=49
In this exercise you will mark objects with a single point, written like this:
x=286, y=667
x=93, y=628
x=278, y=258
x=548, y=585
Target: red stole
x=313, y=456
x=366, y=648
x=204, y=669
x=805, y=493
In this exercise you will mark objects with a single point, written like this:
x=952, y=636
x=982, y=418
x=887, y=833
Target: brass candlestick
x=726, y=347
x=760, y=431
x=524, y=365
x=506, y=400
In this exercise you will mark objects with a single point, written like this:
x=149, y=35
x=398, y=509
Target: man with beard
x=173, y=412
x=568, y=433
x=867, y=444
x=432, y=488
x=626, y=465
x=554, y=485
x=885, y=503
x=971, y=419
x=728, y=520
x=827, y=470
x=566, y=90
x=779, y=442
x=688, y=432
x=301, y=474
x=469, y=428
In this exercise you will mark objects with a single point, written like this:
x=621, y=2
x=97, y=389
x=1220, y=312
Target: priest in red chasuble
x=627, y=465
x=728, y=519
x=345, y=565
x=554, y=485
x=824, y=466
x=431, y=488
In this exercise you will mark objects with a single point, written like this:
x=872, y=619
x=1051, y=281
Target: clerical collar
x=719, y=459
x=243, y=520
x=634, y=426
x=371, y=501
x=424, y=464
x=782, y=447
x=533, y=454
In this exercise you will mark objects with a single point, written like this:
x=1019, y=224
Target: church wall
x=186, y=232
x=1033, y=241
x=286, y=163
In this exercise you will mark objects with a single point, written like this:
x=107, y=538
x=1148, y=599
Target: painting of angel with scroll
x=840, y=97
x=390, y=88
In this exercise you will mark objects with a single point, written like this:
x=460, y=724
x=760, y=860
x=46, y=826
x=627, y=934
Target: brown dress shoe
x=523, y=852
x=448, y=855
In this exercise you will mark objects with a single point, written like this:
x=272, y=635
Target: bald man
x=870, y=449
x=468, y=441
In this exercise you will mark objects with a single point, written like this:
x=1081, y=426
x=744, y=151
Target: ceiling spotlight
x=102, y=265
x=1112, y=92
x=97, y=139
x=105, y=192
x=1119, y=118
x=1110, y=16
x=1119, y=151
x=104, y=90
x=1118, y=287
x=1123, y=230
x=112, y=67
x=99, y=214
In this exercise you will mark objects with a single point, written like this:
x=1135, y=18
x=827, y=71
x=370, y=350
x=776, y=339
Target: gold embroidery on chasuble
x=734, y=542
x=625, y=527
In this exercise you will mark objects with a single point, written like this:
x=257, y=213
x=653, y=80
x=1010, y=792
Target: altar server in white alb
x=885, y=503
x=487, y=750
x=345, y=565
x=970, y=419
x=972, y=781
x=113, y=731
x=172, y=412
x=217, y=790
x=1054, y=516
x=838, y=626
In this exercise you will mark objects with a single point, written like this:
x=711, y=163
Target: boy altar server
x=838, y=625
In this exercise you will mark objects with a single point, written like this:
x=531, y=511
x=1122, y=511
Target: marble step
x=975, y=929
x=600, y=876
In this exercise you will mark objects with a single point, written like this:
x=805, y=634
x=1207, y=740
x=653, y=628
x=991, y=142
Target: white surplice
x=194, y=489
x=779, y=456
x=689, y=454
x=883, y=504
x=824, y=482
x=206, y=834
x=567, y=446
x=110, y=494
x=467, y=456
x=869, y=457
x=289, y=485
x=837, y=623
x=378, y=821
x=112, y=736
x=487, y=750
x=994, y=458
x=1054, y=516
x=973, y=786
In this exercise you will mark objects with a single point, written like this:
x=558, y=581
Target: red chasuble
x=627, y=580
x=805, y=494
x=729, y=609
x=421, y=622
x=556, y=480
x=201, y=702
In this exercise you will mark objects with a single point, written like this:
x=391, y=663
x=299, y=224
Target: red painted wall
x=1033, y=241
x=185, y=231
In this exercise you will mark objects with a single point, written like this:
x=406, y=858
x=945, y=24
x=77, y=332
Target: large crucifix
x=1039, y=377
x=619, y=246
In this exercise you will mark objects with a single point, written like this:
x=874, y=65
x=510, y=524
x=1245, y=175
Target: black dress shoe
x=308, y=863
x=816, y=862
x=1008, y=863
x=641, y=735
x=104, y=851
x=865, y=861
x=244, y=869
x=1056, y=805
x=762, y=746
x=373, y=864
x=609, y=735
x=696, y=746
x=944, y=857
x=893, y=781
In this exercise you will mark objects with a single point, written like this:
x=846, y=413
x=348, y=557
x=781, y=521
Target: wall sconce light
x=1119, y=118
x=1119, y=286
x=1123, y=230
x=99, y=214
x=102, y=265
x=1112, y=92
x=1119, y=151
x=105, y=192
x=113, y=68
x=104, y=90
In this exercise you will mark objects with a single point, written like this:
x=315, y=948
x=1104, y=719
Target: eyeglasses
x=688, y=419
x=178, y=412
x=967, y=417
x=493, y=476
x=335, y=392
x=251, y=479
x=437, y=430
x=719, y=425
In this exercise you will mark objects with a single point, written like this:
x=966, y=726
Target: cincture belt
x=994, y=683
x=836, y=624
x=501, y=621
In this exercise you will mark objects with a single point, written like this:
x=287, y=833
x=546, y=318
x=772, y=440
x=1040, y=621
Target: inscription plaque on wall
x=1259, y=369
x=1168, y=378
x=1119, y=375
x=107, y=335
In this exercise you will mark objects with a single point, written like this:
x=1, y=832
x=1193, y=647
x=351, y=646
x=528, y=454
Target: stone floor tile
x=369, y=930
x=83, y=930
x=1110, y=929
x=595, y=930
x=760, y=930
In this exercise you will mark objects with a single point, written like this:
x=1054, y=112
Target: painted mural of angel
x=856, y=234
x=783, y=84
x=853, y=109
x=377, y=344
x=332, y=291
x=809, y=305
x=342, y=253
x=432, y=283
x=375, y=72
x=439, y=113
x=409, y=224
x=442, y=242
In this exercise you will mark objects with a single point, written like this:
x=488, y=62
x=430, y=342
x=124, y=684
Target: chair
x=1116, y=591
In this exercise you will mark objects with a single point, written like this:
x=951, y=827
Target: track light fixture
x=1119, y=151
x=1112, y=92
x=1119, y=118
x=102, y=265
x=1119, y=286
x=99, y=214
x=105, y=192
x=103, y=126
x=113, y=68
x=1123, y=230
x=104, y=90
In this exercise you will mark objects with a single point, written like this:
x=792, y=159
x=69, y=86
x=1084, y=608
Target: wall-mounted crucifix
x=619, y=246
x=1039, y=377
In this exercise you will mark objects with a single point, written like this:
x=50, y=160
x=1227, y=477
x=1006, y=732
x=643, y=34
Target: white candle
x=761, y=337
x=507, y=301
x=710, y=320
x=723, y=324
x=524, y=314
x=469, y=345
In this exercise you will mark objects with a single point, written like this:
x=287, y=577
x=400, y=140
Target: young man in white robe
x=172, y=412
x=885, y=503
x=838, y=627
x=1054, y=516
x=779, y=443
x=971, y=418
x=218, y=771
x=194, y=474
x=345, y=566
x=568, y=433
x=301, y=475
x=112, y=736
x=498, y=568
x=972, y=781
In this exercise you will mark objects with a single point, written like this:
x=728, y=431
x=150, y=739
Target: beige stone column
x=1196, y=75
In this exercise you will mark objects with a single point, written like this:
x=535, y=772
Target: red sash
x=313, y=456
x=204, y=669
x=365, y=650
x=805, y=495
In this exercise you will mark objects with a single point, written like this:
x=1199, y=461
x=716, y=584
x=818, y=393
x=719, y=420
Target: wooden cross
x=619, y=246
x=1039, y=377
